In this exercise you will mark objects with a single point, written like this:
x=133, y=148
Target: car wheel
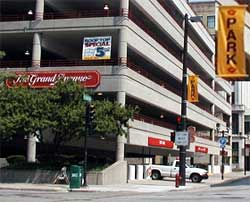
x=196, y=178
x=156, y=175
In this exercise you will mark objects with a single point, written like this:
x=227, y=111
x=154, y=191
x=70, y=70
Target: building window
x=235, y=152
x=235, y=123
x=233, y=98
x=247, y=124
x=211, y=22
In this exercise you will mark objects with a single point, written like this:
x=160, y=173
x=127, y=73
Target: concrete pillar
x=36, y=50
x=241, y=123
x=39, y=9
x=212, y=131
x=122, y=55
x=31, y=148
x=124, y=6
x=212, y=163
x=212, y=108
x=213, y=84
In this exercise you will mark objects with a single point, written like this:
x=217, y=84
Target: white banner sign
x=97, y=48
x=181, y=138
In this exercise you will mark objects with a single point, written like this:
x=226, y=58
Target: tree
x=61, y=108
x=24, y=111
x=67, y=111
x=112, y=117
x=2, y=54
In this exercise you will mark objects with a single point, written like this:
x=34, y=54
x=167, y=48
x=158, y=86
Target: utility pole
x=182, y=154
x=85, y=144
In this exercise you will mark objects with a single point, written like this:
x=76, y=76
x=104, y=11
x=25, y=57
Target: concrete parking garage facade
x=145, y=68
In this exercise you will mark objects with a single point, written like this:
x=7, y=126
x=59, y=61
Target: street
x=237, y=191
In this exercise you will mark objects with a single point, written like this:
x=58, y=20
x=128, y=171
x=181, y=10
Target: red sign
x=160, y=142
x=201, y=149
x=224, y=152
x=48, y=79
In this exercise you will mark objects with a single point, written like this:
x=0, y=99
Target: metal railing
x=154, y=121
x=151, y=77
x=56, y=63
x=65, y=15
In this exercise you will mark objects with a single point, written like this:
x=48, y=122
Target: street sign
x=181, y=138
x=223, y=142
x=87, y=98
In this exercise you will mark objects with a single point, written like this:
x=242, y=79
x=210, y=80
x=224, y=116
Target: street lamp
x=182, y=154
x=106, y=9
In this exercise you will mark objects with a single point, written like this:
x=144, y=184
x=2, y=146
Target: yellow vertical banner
x=193, y=88
x=230, y=55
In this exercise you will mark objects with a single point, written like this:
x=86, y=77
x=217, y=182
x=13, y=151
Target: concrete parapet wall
x=114, y=174
x=27, y=176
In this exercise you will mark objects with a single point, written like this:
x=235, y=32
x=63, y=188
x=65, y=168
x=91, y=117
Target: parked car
x=160, y=171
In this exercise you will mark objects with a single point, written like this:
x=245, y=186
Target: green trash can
x=75, y=177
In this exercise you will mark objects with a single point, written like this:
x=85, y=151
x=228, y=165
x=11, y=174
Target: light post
x=85, y=146
x=182, y=153
x=88, y=100
x=106, y=9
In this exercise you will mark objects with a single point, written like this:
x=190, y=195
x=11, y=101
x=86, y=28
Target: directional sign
x=223, y=142
x=181, y=138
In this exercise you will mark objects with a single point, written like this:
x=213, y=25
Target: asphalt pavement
x=167, y=184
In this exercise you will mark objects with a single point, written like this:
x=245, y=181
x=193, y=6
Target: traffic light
x=172, y=136
x=179, y=123
x=90, y=114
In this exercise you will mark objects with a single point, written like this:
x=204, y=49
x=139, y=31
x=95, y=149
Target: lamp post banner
x=193, y=88
x=230, y=62
x=48, y=79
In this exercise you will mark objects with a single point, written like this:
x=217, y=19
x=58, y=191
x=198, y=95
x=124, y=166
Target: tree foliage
x=67, y=111
x=112, y=117
x=61, y=108
x=23, y=111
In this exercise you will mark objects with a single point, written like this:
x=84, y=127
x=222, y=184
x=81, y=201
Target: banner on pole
x=230, y=55
x=193, y=88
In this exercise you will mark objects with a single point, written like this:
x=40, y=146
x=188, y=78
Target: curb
x=32, y=189
x=229, y=181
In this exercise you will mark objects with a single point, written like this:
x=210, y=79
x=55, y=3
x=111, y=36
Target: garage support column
x=36, y=50
x=122, y=71
x=39, y=9
x=212, y=163
x=31, y=148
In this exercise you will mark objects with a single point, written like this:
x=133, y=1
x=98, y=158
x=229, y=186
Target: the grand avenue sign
x=47, y=79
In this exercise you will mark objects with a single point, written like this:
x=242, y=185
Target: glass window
x=211, y=21
x=235, y=152
x=235, y=123
x=247, y=127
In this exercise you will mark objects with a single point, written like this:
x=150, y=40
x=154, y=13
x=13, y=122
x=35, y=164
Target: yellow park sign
x=230, y=55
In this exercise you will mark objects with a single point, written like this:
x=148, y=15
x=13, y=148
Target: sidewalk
x=132, y=186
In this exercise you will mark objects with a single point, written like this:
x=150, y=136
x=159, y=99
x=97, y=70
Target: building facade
x=144, y=69
x=241, y=89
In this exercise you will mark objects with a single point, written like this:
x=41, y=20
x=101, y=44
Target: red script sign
x=201, y=149
x=40, y=79
x=160, y=142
